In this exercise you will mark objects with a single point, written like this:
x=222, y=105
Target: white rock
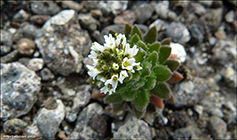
x=179, y=50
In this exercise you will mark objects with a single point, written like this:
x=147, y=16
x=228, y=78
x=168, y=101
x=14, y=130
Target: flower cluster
x=112, y=62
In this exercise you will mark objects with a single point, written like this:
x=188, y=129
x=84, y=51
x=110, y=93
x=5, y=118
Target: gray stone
x=127, y=16
x=10, y=57
x=26, y=46
x=21, y=16
x=199, y=9
x=64, y=43
x=160, y=25
x=217, y=127
x=199, y=109
x=69, y=4
x=71, y=114
x=187, y=86
x=20, y=87
x=6, y=42
x=143, y=12
x=14, y=126
x=207, y=3
x=47, y=121
x=178, y=33
x=216, y=112
x=82, y=129
x=31, y=31
x=213, y=18
x=99, y=124
x=39, y=19
x=229, y=75
x=88, y=22
x=184, y=133
x=44, y=7
x=196, y=34
x=116, y=7
x=162, y=9
x=132, y=129
x=35, y=64
x=83, y=96
x=46, y=74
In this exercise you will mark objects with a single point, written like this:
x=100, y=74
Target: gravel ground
x=44, y=88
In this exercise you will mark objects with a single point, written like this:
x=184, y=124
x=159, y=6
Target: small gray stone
x=230, y=77
x=20, y=87
x=162, y=9
x=184, y=133
x=82, y=129
x=88, y=22
x=216, y=112
x=21, y=16
x=160, y=25
x=213, y=18
x=14, y=126
x=217, y=127
x=116, y=7
x=47, y=121
x=207, y=3
x=72, y=5
x=44, y=7
x=196, y=34
x=46, y=74
x=178, y=33
x=99, y=124
x=127, y=16
x=31, y=31
x=82, y=97
x=36, y=64
x=187, y=86
x=132, y=129
x=26, y=46
x=39, y=19
x=143, y=12
x=199, y=9
x=71, y=114
x=6, y=42
x=10, y=57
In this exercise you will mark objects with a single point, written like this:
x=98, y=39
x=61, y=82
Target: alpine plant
x=133, y=68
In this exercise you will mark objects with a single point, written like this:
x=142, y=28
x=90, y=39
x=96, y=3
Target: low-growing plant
x=134, y=68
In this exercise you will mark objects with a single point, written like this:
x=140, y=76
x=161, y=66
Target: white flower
x=138, y=66
x=119, y=51
x=128, y=64
x=110, y=85
x=93, y=55
x=97, y=47
x=109, y=41
x=122, y=76
x=93, y=72
x=131, y=51
x=100, y=78
x=120, y=38
x=115, y=66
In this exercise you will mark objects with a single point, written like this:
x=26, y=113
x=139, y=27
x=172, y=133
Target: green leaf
x=139, y=114
x=166, y=41
x=171, y=99
x=162, y=72
x=127, y=79
x=139, y=83
x=136, y=30
x=113, y=98
x=136, y=76
x=161, y=90
x=154, y=47
x=128, y=29
x=150, y=36
x=142, y=99
x=140, y=56
x=129, y=95
x=112, y=32
x=153, y=58
x=150, y=82
x=172, y=64
x=146, y=68
x=134, y=40
x=142, y=45
x=164, y=54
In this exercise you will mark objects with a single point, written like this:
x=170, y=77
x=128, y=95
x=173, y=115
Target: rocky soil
x=44, y=87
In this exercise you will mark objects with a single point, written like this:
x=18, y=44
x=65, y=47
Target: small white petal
x=122, y=76
x=93, y=55
x=131, y=51
x=119, y=51
x=93, y=72
x=97, y=47
x=109, y=41
x=120, y=38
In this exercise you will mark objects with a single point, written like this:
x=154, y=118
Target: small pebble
x=26, y=46
x=14, y=126
x=46, y=74
x=36, y=64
